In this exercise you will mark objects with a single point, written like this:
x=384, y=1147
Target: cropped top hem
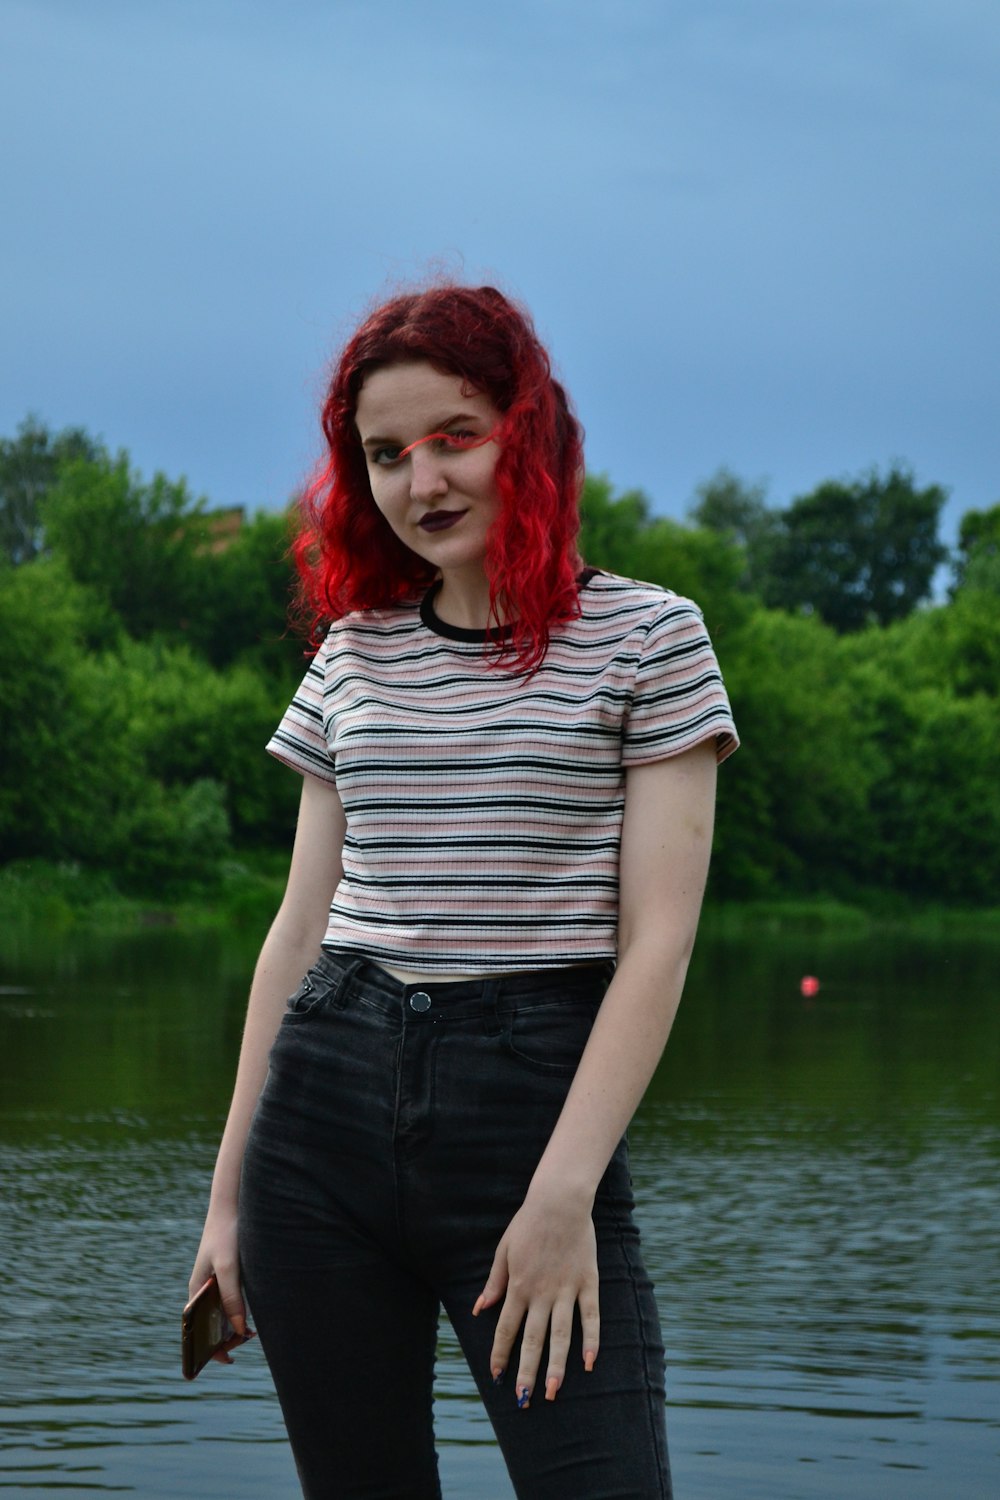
x=406, y=973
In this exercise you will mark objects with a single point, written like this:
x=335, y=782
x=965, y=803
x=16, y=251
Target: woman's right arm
x=290, y=949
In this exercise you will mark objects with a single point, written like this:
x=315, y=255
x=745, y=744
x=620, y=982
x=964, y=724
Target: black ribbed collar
x=475, y=637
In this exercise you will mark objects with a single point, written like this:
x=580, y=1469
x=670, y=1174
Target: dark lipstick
x=439, y=520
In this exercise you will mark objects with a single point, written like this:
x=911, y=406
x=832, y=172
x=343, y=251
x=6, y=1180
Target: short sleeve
x=678, y=698
x=300, y=739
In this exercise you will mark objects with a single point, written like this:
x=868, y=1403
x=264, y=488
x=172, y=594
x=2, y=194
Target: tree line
x=146, y=659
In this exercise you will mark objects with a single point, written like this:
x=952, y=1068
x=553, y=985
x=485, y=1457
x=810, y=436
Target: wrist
x=560, y=1191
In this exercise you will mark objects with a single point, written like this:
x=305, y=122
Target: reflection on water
x=819, y=1185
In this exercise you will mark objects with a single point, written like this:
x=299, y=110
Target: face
x=431, y=462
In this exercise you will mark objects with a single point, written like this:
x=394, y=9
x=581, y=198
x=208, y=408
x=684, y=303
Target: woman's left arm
x=546, y=1262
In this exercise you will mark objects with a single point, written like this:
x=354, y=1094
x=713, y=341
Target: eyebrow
x=370, y=442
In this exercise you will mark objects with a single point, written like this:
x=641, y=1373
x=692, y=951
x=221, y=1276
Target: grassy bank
x=880, y=912
x=244, y=893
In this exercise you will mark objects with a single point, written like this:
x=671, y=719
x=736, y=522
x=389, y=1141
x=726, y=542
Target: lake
x=818, y=1182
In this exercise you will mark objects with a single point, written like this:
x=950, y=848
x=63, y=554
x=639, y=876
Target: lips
x=439, y=520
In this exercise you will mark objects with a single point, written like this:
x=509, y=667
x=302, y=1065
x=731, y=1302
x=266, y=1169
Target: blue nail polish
x=498, y=1378
x=524, y=1397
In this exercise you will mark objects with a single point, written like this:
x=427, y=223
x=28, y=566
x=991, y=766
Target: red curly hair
x=346, y=553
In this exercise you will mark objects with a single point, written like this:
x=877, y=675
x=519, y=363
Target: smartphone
x=205, y=1330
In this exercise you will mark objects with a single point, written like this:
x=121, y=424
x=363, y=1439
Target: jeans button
x=421, y=1001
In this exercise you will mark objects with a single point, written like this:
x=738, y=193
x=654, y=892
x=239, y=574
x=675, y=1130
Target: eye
x=384, y=457
x=456, y=441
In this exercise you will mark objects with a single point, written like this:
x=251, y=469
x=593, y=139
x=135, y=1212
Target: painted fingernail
x=498, y=1376
x=551, y=1386
x=479, y=1305
x=524, y=1398
x=589, y=1355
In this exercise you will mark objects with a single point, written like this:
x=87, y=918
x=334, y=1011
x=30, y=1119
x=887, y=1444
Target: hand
x=546, y=1264
x=218, y=1253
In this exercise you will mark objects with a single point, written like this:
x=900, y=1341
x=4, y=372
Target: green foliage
x=155, y=557
x=132, y=543
x=30, y=464
x=977, y=559
x=189, y=723
x=730, y=508
x=612, y=526
x=938, y=808
x=953, y=648
x=793, y=812
x=618, y=534
x=120, y=749
x=924, y=699
x=242, y=594
x=851, y=553
x=48, y=626
x=139, y=759
x=857, y=553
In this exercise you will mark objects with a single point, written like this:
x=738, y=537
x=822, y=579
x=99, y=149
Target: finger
x=202, y=1271
x=237, y=1340
x=230, y=1295
x=232, y=1306
x=560, y=1331
x=496, y=1283
x=590, y=1320
x=504, y=1335
x=536, y=1327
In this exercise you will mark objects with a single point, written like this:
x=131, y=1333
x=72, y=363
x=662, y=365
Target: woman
x=508, y=772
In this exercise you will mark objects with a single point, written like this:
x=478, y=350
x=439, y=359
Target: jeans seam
x=338, y=999
x=654, y=1430
x=397, y=1186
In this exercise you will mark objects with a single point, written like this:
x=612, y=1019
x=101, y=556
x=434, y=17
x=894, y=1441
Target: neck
x=463, y=600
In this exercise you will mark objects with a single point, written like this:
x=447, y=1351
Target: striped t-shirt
x=483, y=806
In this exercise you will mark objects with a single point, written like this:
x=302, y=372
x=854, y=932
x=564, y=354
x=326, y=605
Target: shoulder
x=366, y=628
x=636, y=605
x=677, y=696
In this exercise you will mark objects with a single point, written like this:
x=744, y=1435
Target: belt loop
x=492, y=1024
x=339, y=1000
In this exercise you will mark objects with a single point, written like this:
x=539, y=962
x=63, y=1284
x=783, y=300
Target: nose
x=427, y=476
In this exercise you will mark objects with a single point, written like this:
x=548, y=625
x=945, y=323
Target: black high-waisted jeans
x=394, y=1140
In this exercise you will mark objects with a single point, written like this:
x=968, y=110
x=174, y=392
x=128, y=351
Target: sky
x=760, y=234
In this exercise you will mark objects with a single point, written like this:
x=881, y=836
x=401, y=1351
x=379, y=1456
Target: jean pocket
x=309, y=999
x=550, y=1038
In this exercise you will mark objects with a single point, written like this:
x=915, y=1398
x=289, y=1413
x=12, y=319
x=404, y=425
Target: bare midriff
x=410, y=976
